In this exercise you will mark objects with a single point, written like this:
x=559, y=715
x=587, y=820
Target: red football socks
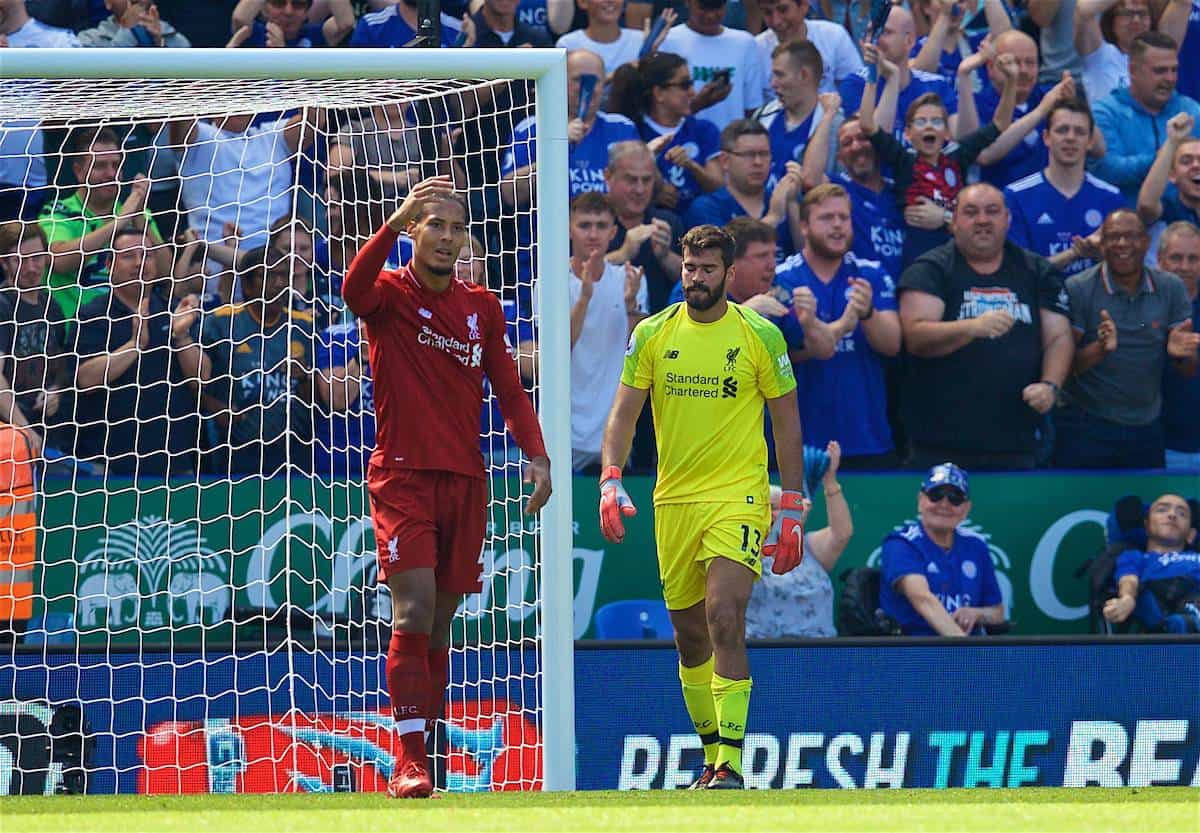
x=408, y=681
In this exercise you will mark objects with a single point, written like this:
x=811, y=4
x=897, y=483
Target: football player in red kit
x=432, y=338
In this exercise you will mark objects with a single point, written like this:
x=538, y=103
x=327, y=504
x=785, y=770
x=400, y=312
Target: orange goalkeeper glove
x=785, y=541
x=615, y=505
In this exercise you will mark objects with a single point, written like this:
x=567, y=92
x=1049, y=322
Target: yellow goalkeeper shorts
x=690, y=535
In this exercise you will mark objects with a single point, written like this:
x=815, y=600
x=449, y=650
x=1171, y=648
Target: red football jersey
x=429, y=353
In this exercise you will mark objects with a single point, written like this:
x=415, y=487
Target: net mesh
x=203, y=564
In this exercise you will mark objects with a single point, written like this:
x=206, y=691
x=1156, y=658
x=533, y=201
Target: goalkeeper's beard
x=703, y=298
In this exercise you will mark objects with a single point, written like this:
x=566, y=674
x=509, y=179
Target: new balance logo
x=671, y=354
x=728, y=387
x=1045, y=220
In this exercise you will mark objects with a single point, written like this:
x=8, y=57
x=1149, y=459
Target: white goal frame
x=548, y=70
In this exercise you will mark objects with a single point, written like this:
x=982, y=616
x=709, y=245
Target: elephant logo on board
x=151, y=572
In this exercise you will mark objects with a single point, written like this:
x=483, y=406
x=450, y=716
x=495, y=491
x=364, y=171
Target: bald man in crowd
x=895, y=44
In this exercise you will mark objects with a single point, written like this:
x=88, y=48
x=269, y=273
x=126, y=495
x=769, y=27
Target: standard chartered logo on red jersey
x=469, y=355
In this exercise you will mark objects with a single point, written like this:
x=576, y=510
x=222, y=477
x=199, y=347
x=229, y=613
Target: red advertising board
x=491, y=745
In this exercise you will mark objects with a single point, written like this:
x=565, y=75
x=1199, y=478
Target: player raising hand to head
x=432, y=338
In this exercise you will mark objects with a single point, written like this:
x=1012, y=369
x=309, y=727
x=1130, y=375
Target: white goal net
x=190, y=562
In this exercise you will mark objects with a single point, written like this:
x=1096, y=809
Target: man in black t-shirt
x=136, y=410
x=988, y=342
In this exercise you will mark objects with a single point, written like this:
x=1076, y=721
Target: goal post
x=546, y=68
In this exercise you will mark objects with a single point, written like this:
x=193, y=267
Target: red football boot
x=412, y=781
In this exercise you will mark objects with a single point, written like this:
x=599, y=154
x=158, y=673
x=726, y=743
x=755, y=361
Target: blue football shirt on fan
x=401, y=254
x=343, y=440
x=586, y=160
x=786, y=145
x=852, y=86
x=1030, y=154
x=495, y=441
x=948, y=61
x=1044, y=220
x=719, y=207
x=1157, y=566
x=961, y=577
x=702, y=141
x=386, y=28
x=533, y=14
x=878, y=224
x=310, y=35
x=843, y=397
x=1189, y=56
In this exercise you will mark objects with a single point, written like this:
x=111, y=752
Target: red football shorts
x=429, y=519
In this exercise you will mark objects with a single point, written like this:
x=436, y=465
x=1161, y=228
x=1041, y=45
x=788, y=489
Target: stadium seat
x=51, y=629
x=634, y=619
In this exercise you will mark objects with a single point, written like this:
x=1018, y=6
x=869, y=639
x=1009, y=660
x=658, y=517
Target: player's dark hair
x=709, y=236
x=802, y=53
x=824, y=191
x=925, y=100
x=632, y=91
x=738, y=128
x=1072, y=105
x=592, y=202
x=455, y=198
x=1146, y=41
x=747, y=230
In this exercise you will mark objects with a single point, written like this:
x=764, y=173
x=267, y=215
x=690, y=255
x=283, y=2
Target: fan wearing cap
x=938, y=579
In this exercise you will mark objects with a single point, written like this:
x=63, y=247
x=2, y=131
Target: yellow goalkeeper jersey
x=708, y=384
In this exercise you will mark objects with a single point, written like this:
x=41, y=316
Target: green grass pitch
x=1010, y=811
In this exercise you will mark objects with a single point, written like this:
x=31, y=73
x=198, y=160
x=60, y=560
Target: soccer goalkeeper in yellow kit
x=709, y=365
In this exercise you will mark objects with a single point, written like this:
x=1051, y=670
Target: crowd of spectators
x=978, y=234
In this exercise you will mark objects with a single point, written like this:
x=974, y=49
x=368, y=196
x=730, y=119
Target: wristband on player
x=785, y=541
x=615, y=505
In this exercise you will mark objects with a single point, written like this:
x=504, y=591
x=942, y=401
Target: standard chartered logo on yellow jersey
x=699, y=386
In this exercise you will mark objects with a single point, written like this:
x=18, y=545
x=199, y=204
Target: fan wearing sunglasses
x=938, y=579
x=285, y=23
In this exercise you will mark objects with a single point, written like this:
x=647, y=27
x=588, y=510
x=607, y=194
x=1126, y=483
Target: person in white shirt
x=1104, y=30
x=605, y=36
x=786, y=21
x=727, y=69
x=607, y=300
x=238, y=174
x=800, y=603
x=19, y=30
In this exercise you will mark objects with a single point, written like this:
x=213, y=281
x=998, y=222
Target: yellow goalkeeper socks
x=732, y=701
x=698, y=697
